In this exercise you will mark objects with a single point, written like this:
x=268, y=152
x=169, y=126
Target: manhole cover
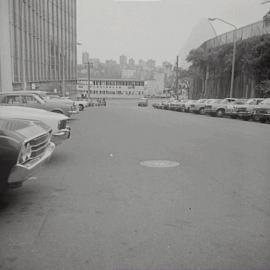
x=160, y=163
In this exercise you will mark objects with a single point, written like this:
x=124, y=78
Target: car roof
x=17, y=93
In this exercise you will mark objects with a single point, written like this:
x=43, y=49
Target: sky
x=154, y=29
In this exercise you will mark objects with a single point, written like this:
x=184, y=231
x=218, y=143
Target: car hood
x=21, y=112
x=24, y=113
x=23, y=129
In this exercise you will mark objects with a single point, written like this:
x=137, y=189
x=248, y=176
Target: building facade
x=85, y=58
x=38, y=47
x=112, y=88
x=123, y=60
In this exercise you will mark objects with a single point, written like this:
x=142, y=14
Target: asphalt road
x=95, y=207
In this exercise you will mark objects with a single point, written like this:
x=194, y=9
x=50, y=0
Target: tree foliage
x=252, y=58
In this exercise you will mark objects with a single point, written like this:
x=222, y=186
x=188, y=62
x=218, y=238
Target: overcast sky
x=153, y=29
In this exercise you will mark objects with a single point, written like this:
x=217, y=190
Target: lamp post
x=234, y=50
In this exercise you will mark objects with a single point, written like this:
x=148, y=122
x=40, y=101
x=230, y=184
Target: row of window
x=116, y=92
x=113, y=83
x=42, y=29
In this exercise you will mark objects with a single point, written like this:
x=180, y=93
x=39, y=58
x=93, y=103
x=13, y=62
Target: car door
x=31, y=101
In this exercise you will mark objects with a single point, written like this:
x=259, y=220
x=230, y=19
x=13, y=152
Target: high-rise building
x=131, y=62
x=85, y=57
x=151, y=63
x=38, y=45
x=123, y=60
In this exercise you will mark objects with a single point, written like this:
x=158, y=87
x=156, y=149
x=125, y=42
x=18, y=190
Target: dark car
x=143, y=102
x=261, y=112
x=24, y=147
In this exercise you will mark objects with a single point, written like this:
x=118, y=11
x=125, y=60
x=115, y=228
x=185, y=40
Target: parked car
x=175, y=105
x=52, y=98
x=101, y=102
x=218, y=107
x=261, y=112
x=182, y=105
x=24, y=147
x=28, y=99
x=187, y=105
x=156, y=105
x=143, y=102
x=209, y=104
x=198, y=106
x=243, y=110
x=232, y=108
x=80, y=104
x=57, y=122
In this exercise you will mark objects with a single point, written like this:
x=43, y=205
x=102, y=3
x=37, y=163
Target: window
x=14, y=99
x=30, y=100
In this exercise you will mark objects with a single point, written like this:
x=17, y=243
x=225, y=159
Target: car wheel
x=256, y=118
x=81, y=107
x=220, y=113
x=201, y=111
x=245, y=118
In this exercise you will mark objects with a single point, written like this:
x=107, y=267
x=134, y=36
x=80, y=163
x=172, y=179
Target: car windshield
x=251, y=101
x=239, y=102
x=39, y=99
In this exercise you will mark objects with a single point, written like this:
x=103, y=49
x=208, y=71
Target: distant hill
x=200, y=33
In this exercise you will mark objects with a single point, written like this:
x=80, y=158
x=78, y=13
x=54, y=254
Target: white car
x=81, y=104
x=58, y=122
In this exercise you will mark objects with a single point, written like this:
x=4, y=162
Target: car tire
x=256, y=118
x=201, y=111
x=220, y=112
x=81, y=107
x=245, y=118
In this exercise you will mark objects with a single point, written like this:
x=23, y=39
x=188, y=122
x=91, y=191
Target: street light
x=234, y=51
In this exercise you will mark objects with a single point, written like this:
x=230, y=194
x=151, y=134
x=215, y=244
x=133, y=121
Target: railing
x=256, y=29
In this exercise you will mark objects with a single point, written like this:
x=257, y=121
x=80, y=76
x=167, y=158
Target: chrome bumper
x=21, y=173
x=60, y=136
x=74, y=112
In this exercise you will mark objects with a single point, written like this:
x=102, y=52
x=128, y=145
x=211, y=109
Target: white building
x=156, y=86
x=111, y=88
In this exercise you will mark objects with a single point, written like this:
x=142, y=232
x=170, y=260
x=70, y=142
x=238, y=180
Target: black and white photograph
x=134, y=134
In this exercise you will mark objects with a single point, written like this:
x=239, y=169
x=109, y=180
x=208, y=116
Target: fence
x=256, y=29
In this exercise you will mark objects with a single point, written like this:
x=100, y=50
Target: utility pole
x=177, y=76
x=89, y=87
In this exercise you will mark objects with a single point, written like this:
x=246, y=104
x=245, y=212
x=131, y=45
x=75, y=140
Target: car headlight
x=26, y=153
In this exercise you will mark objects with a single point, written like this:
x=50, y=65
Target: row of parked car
x=257, y=109
x=32, y=124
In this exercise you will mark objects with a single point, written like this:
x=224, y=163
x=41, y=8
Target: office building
x=85, y=57
x=38, y=45
x=123, y=60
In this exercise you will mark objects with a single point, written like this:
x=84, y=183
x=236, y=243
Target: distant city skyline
x=129, y=61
